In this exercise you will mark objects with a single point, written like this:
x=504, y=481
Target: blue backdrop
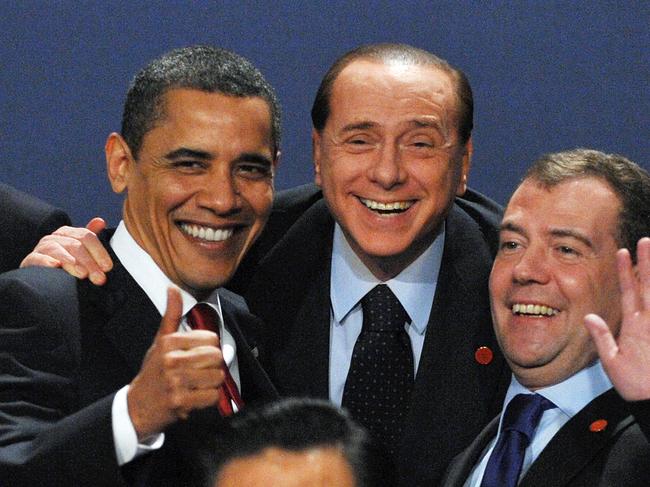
x=546, y=76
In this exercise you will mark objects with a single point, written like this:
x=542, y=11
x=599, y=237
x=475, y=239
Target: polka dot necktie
x=520, y=420
x=380, y=379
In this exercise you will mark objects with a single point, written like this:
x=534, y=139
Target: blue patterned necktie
x=380, y=379
x=520, y=420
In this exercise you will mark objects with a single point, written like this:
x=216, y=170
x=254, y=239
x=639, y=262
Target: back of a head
x=301, y=425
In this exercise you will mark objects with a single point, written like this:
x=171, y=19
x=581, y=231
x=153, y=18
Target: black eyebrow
x=184, y=152
x=254, y=157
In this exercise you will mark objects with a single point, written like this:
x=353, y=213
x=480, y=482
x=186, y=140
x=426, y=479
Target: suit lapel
x=575, y=445
x=455, y=396
x=463, y=464
x=297, y=314
x=255, y=384
x=130, y=320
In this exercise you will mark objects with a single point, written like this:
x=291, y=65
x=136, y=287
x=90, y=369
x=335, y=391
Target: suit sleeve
x=47, y=436
x=52, y=221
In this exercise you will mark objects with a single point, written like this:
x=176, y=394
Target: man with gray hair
x=577, y=339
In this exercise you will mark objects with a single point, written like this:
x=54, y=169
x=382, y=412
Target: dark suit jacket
x=454, y=396
x=66, y=347
x=618, y=456
x=23, y=221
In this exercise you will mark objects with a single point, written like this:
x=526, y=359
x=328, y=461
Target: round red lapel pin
x=483, y=355
x=598, y=425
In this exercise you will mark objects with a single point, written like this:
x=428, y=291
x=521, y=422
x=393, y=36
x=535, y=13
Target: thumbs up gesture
x=180, y=372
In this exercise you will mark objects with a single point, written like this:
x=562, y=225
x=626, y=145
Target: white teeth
x=394, y=206
x=207, y=233
x=534, y=309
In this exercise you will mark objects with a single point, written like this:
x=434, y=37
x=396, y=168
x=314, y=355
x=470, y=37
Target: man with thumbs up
x=94, y=387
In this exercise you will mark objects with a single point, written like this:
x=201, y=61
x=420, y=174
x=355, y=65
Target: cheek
x=259, y=197
x=436, y=178
x=170, y=193
x=498, y=277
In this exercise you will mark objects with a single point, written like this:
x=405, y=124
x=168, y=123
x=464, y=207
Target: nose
x=220, y=193
x=532, y=266
x=387, y=170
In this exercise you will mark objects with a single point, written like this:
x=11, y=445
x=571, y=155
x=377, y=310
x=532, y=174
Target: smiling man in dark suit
x=24, y=220
x=392, y=149
x=94, y=388
x=585, y=394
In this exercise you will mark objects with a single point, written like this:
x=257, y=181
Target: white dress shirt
x=142, y=268
x=570, y=396
x=350, y=280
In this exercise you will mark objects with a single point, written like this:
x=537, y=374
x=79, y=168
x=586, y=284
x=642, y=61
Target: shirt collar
x=572, y=394
x=414, y=287
x=144, y=270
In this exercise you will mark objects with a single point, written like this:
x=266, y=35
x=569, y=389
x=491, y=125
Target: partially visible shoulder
x=297, y=199
x=38, y=305
x=34, y=286
x=22, y=205
x=40, y=279
x=23, y=221
x=288, y=206
x=481, y=208
x=485, y=212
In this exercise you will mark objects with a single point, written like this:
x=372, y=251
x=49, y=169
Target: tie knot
x=203, y=317
x=524, y=412
x=382, y=311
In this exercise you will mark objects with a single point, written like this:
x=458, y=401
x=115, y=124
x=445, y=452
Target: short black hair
x=297, y=424
x=389, y=52
x=628, y=180
x=205, y=68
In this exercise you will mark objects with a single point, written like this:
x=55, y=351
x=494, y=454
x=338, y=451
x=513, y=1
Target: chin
x=208, y=283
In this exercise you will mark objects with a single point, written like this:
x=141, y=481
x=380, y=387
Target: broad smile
x=206, y=233
x=387, y=208
x=533, y=309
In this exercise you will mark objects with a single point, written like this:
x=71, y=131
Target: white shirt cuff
x=125, y=438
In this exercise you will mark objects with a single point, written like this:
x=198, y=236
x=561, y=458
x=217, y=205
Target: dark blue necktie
x=517, y=428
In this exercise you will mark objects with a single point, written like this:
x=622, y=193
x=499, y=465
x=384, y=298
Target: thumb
x=602, y=337
x=96, y=225
x=173, y=313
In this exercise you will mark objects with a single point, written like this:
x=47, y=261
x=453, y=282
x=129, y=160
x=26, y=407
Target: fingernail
x=96, y=277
